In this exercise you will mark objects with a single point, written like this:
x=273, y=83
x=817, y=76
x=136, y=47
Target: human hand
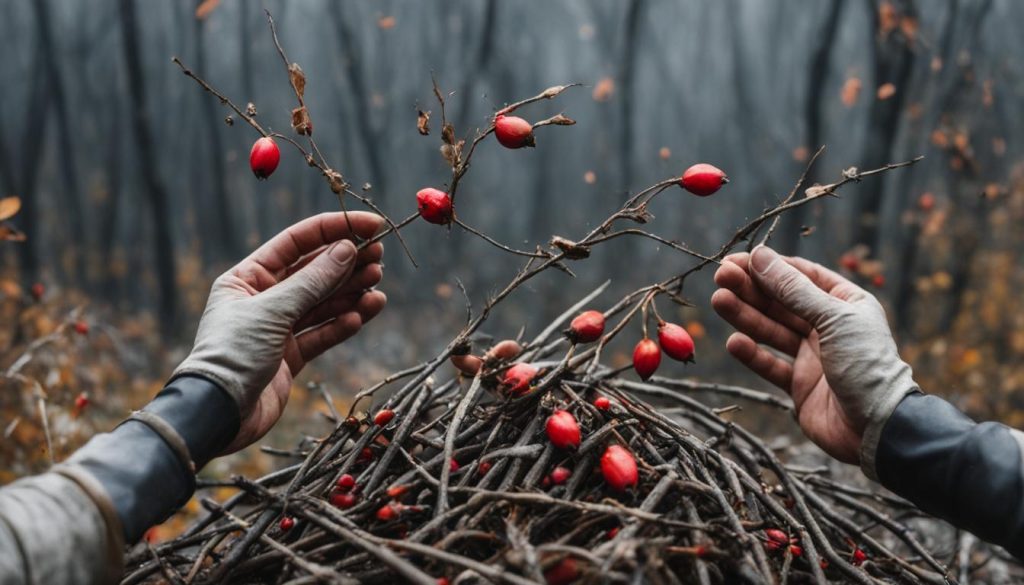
x=298, y=295
x=833, y=350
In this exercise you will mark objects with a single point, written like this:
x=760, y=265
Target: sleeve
x=70, y=524
x=967, y=473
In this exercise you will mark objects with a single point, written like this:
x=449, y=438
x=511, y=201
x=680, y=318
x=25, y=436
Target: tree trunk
x=159, y=207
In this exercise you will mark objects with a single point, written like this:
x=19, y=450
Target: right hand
x=834, y=353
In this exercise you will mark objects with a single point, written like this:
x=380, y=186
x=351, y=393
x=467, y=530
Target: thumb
x=790, y=287
x=296, y=295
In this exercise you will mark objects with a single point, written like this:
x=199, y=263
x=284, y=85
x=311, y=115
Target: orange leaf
x=204, y=9
x=9, y=206
x=850, y=91
x=604, y=89
x=886, y=91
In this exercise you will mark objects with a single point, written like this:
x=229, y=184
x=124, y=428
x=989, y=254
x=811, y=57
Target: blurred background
x=135, y=193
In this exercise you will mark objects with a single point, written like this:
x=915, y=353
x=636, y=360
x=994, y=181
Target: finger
x=790, y=287
x=748, y=320
x=306, y=236
x=342, y=300
x=761, y=361
x=296, y=295
x=736, y=277
x=828, y=280
x=368, y=255
x=318, y=340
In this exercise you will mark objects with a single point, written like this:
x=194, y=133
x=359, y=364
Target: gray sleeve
x=58, y=528
x=969, y=474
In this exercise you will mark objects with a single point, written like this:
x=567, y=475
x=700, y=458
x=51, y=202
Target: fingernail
x=762, y=259
x=343, y=252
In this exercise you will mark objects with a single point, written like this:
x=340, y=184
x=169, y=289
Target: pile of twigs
x=709, y=499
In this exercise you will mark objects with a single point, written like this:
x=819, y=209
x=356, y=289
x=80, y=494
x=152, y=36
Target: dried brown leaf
x=206, y=8
x=298, y=79
x=423, y=123
x=301, y=122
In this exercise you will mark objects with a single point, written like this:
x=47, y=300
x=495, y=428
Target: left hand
x=298, y=295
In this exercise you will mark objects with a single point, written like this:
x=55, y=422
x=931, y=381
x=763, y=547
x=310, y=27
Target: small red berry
x=434, y=205
x=646, y=358
x=81, y=327
x=442, y=581
x=703, y=179
x=484, y=467
x=612, y=532
x=926, y=201
x=878, y=280
x=38, y=290
x=849, y=261
x=513, y=132
x=346, y=482
x=602, y=403
x=587, y=327
x=397, y=491
x=81, y=401
x=858, y=557
x=823, y=563
x=517, y=378
x=387, y=513
x=453, y=465
x=563, y=430
x=343, y=501
x=366, y=455
x=675, y=342
x=560, y=475
x=287, y=523
x=795, y=550
x=619, y=468
x=383, y=417
x=263, y=157
x=776, y=539
x=564, y=573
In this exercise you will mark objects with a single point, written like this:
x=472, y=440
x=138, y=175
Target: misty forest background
x=135, y=193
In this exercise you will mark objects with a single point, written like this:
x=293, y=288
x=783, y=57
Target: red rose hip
x=287, y=523
x=675, y=342
x=602, y=403
x=383, y=417
x=517, y=378
x=560, y=475
x=263, y=157
x=646, y=358
x=619, y=468
x=563, y=430
x=703, y=179
x=587, y=327
x=434, y=205
x=513, y=132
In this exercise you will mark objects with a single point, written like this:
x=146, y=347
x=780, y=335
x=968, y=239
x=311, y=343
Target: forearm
x=967, y=473
x=70, y=524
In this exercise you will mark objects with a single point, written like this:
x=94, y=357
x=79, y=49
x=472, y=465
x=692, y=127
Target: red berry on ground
x=675, y=342
x=346, y=482
x=776, y=539
x=434, y=205
x=365, y=456
x=343, y=501
x=795, y=550
x=560, y=475
x=387, y=513
x=453, y=465
x=563, y=430
x=383, y=417
x=484, y=467
x=263, y=157
x=81, y=327
x=646, y=358
x=602, y=403
x=513, y=132
x=397, y=491
x=517, y=378
x=81, y=401
x=38, y=290
x=287, y=523
x=587, y=327
x=619, y=468
x=442, y=581
x=564, y=573
x=612, y=532
x=703, y=179
x=858, y=557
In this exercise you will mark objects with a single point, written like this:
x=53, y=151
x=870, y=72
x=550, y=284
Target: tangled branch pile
x=456, y=479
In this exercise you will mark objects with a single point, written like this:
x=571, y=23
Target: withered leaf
x=9, y=206
x=336, y=181
x=448, y=133
x=9, y=234
x=205, y=8
x=572, y=250
x=250, y=109
x=301, y=122
x=298, y=79
x=423, y=122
